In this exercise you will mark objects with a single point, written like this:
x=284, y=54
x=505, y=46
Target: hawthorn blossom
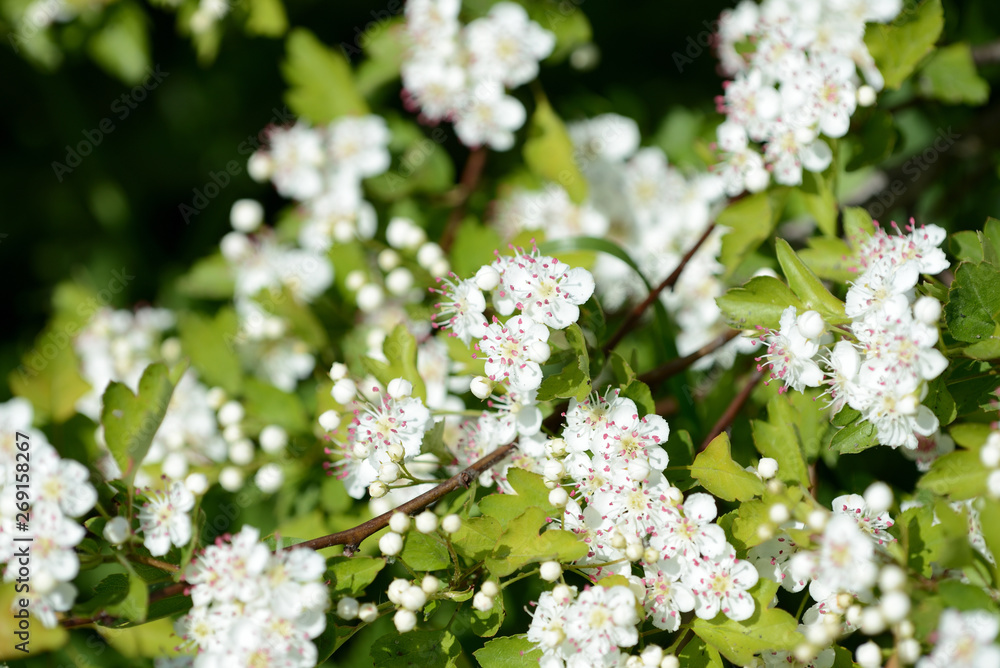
x=790, y=354
x=689, y=530
x=599, y=622
x=629, y=437
x=844, y=561
x=771, y=559
x=62, y=482
x=666, y=594
x=721, y=584
x=514, y=350
x=461, y=308
x=875, y=525
x=964, y=640
x=546, y=290
x=505, y=45
x=164, y=519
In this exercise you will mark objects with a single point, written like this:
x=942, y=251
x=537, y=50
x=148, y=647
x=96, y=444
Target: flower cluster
x=881, y=371
x=965, y=639
x=252, y=606
x=794, y=69
x=57, y=490
x=460, y=73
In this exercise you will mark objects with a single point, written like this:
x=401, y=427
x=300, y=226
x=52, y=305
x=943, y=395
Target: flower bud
x=989, y=454
x=487, y=278
x=368, y=612
x=347, y=608
x=482, y=602
x=895, y=606
x=550, y=571
x=260, y=166
x=399, y=388
x=241, y=452
x=399, y=281
x=196, y=483
x=556, y=447
x=235, y=246
x=337, y=371
x=891, y=578
x=538, y=351
x=670, y=661
x=388, y=473
x=355, y=280
x=396, y=589
x=439, y=268
x=490, y=588
x=651, y=555
x=413, y=598
x=872, y=621
x=558, y=497
x=388, y=260
x=634, y=551
x=231, y=479
x=674, y=495
x=215, y=398
x=778, y=513
x=390, y=544
x=403, y=233
x=427, y=522
x=360, y=450
x=765, y=532
x=993, y=484
x=230, y=413
x=817, y=519
x=866, y=96
x=344, y=391
x=370, y=297
x=395, y=452
x=273, y=439
x=269, y=478
x=811, y=324
x=378, y=489
x=428, y=254
x=116, y=531
x=617, y=540
x=399, y=522
x=652, y=655
x=562, y=594
x=908, y=650
x=868, y=655
x=927, y=310
x=430, y=584
x=767, y=468
x=451, y=523
x=404, y=620
x=553, y=469
x=481, y=387
x=878, y=497
x=246, y=215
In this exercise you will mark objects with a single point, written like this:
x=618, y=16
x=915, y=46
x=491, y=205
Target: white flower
x=546, y=290
x=691, y=527
x=461, y=309
x=666, y=594
x=771, y=559
x=720, y=584
x=843, y=563
x=874, y=524
x=506, y=45
x=628, y=436
x=296, y=155
x=513, y=351
x=489, y=117
x=790, y=355
x=164, y=519
x=964, y=640
x=64, y=483
x=358, y=145
x=599, y=621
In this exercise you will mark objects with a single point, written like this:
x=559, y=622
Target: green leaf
x=130, y=421
x=696, y=654
x=940, y=401
x=750, y=221
x=548, y=151
x=302, y=322
x=778, y=439
x=209, y=278
x=419, y=165
x=973, y=308
x=529, y=491
x=425, y=552
x=400, y=349
x=759, y=303
x=990, y=236
x=385, y=51
x=715, y=469
x=109, y=591
x=484, y=624
x=858, y=226
x=970, y=434
x=964, y=597
x=573, y=380
x=267, y=18
x=416, y=649
x=49, y=376
x=950, y=76
x=830, y=259
x=855, y=437
x=522, y=544
x=900, y=46
x=350, y=575
x=267, y=405
x=967, y=246
x=508, y=652
x=639, y=392
x=209, y=343
x=477, y=537
x=121, y=45
x=320, y=85
x=807, y=286
x=746, y=520
x=991, y=532
x=957, y=475
x=817, y=194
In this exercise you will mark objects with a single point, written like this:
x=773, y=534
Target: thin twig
x=986, y=54
x=471, y=174
x=155, y=563
x=675, y=366
x=668, y=282
x=733, y=410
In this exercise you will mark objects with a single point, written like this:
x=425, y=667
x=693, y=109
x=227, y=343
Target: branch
x=733, y=410
x=471, y=174
x=668, y=282
x=675, y=366
x=986, y=54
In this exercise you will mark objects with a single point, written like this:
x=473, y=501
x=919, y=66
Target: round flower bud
x=817, y=635
x=556, y=447
x=231, y=479
x=487, y=278
x=355, y=280
x=617, y=540
x=370, y=297
x=553, y=469
x=490, y=588
x=231, y=413
x=989, y=454
x=993, y=484
x=439, y=268
x=451, y=523
x=215, y=398
x=908, y=650
x=872, y=621
x=670, y=661
x=399, y=281
x=171, y=350
x=428, y=254
x=361, y=449
x=175, y=465
x=638, y=469
x=895, y=606
x=778, y=513
x=329, y=420
x=775, y=486
x=235, y=246
x=344, y=391
x=337, y=371
x=390, y=544
x=430, y=584
x=765, y=532
x=413, y=598
x=878, y=497
x=388, y=472
x=538, y=351
x=866, y=96
x=399, y=522
x=905, y=629
x=927, y=310
x=633, y=662
x=396, y=589
x=368, y=612
x=674, y=495
x=273, y=439
x=241, y=452
x=388, y=259
x=550, y=571
x=811, y=324
x=651, y=555
x=395, y=452
x=767, y=468
x=853, y=614
x=481, y=387
x=246, y=215
x=401, y=233
x=651, y=656
x=348, y=608
x=404, y=620
x=868, y=655
x=116, y=531
x=634, y=551
x=269, y=478
x=559, y=497
x=399, y=388
x=891, y=578
x=562, y=594
x=482, y=602
x=427, y=522
x=817, y=519
x=377, y=489
x=260, y=166
x=196, y=483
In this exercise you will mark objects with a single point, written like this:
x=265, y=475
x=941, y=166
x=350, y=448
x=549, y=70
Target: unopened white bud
x=651, y=555
x=538, y=351
x=232, y=433
x=231, y=413
x=905, y=629
x=246, y=215
x=269, y=478
x=361, y=449
x=399, y=281
x=428, y=254
x=778, y=513
x=927, y=310
x=355, y=280
x=388, y=472
x=451, y=523
x=891, y=578
x=872, y=621
x=866, y=96
x=196, y=483
x=241, y=452
x=395, y=452
x=116, y=531
x=231, y=479
x=670, y=661
x=487, y=278
x=405, y=620
x=430, y=584
x=490, y=588
x=481, y=387
x=175, y=465
x=553, y=469
x=562, y=594
x=403, y=233
x=482, y=602
x=908, y=650
x=550, y=571
x=989, y=454
x=993, y=484
x=674, y=495
x=556, y=447
x=215, y=398
x=895, y=606
x=348, y=608
x=811, y=324
x=552, y=638
x=329, y=420
x=368, y=612
x=426, y=522
x=817, y=519
x=390, y=544
x=235, y=247
x=388, y=259
x=370, y=297
x=413, y=598
x=868, y=655
x=396, y=590
x=765, y=532
x=617, y=540
x=399, y=522
x=638, y=469
x=337, y=371
x=377, y=489
x=399, y=388
x=651, y=656
x=344, y=391
x=273, y=438
x=767, y=468
x=878, y=497
x=260, y=166
x=635, y=551
x=818, y=635
x=804, y=652
x=558, y=497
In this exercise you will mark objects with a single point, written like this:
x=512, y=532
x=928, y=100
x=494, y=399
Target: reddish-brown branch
x=471, y=174
x=633, y=317
x=675, y=366
x=733, y=409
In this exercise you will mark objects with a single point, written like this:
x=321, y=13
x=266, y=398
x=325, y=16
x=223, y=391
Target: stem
x=668, y=282
x=471, y=174
x=733, y=410
x=155, y=563
x=675, y=366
